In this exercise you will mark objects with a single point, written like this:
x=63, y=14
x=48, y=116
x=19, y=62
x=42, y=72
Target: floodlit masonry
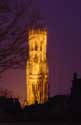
x=37, y=68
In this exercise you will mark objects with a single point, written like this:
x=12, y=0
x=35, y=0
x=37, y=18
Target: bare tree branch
x=13, y=32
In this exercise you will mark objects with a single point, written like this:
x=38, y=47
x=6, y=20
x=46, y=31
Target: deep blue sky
x=63, y=19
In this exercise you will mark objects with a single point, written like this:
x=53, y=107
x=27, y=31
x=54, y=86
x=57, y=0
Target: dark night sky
x=63, y=19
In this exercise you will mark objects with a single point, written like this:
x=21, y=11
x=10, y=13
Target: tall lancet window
x=36, y=47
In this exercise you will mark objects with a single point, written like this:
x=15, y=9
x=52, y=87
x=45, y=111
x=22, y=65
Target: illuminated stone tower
x=37, y=69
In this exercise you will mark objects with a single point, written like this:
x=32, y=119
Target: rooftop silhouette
x=59, y=107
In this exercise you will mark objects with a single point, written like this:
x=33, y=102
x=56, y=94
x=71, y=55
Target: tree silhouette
x=15, y=22
x=6, y=93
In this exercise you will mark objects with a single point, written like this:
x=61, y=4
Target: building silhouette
x=76, y=94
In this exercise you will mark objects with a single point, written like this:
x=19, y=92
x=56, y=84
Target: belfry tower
x=37, y=68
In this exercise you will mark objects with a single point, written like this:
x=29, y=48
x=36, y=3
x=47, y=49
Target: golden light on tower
x=37, y=68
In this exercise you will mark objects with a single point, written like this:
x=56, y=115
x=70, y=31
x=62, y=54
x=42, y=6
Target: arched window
x=36, y=47
x=41, y=46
